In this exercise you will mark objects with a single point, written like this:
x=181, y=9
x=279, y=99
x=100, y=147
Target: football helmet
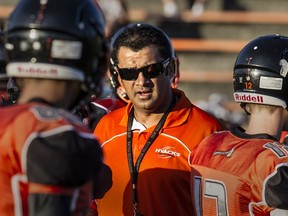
x=137, y=36
x=261, y=72
x=57, y=40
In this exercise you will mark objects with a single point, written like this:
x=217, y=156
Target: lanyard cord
x=134, y=169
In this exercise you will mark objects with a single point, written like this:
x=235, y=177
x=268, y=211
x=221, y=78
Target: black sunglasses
x=149, y=71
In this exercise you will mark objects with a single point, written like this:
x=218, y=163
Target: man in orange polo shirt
x=147, y=143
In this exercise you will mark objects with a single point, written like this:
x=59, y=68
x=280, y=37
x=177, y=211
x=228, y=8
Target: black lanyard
x=134, y=169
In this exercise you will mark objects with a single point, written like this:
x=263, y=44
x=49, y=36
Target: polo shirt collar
x=176, y=117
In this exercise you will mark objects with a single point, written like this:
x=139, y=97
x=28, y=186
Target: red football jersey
x=48, y=160
x=238, y=174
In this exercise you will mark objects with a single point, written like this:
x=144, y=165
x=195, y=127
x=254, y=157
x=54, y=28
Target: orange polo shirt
x=164, y=174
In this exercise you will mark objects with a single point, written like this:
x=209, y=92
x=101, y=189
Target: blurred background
x=206, y=34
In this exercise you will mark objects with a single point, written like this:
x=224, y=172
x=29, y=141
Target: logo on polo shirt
x=167, y=152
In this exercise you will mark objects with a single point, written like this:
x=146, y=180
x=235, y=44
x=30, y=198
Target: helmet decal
x=258, y=98
x=43, y=70
x=66, y=49
x=284, y=67
x=270, y=83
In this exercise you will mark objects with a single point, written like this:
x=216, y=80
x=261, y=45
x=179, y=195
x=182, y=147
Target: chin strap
x=243, y=106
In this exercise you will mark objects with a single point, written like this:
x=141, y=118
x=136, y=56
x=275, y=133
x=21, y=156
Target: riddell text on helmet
x=248, y=98
x=36, y=70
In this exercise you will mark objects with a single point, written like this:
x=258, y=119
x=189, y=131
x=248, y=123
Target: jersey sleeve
x=65, y=158
x=59, y=165
x=276, y=187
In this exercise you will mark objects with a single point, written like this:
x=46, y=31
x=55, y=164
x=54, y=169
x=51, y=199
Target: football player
x=50, y=162
x=244, y=172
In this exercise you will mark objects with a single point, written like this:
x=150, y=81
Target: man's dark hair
x=138, y=36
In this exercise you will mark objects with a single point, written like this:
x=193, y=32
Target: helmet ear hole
x=245, y=108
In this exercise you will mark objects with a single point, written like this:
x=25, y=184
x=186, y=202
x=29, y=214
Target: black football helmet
x=261, y=72
x=129, y=36
x=57, y=40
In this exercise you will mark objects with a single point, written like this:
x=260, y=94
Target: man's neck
x=147, y=119
x=267, y=123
